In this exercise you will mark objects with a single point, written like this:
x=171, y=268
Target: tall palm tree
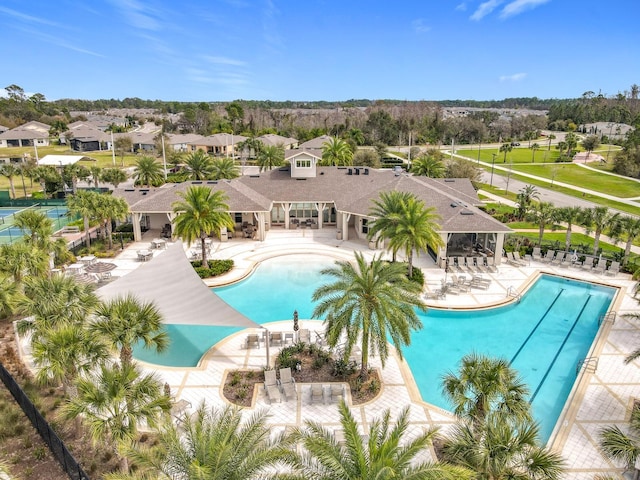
x=216, y=444
x=386, y=211
x=64, y=351
x=502, y=450
x=269, y=157
x=125, y=321
x=37, y=227
x=533, y=148
x=428, y=166
x=251, y=146
x=96, y=175
x=224, y=169
x=108, y=209
x=506, y=148
x=525, y=196
x=72, y=173
x=596, y=219
x=54, y=301
x=199, y=165
x=113, y=400
x=387, y=453
x=9, y=171
x=629, y=228
x=570, y=216
x=20, y=260
x=83, y=203
x=202, y=211
x=542, y=213
x=483, y=386
x=148, y=172
x=417, y=230
x=621, y=446
x=336, y=152
x=368, y=303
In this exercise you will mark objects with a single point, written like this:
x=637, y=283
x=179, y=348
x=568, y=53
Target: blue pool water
x=544, y=335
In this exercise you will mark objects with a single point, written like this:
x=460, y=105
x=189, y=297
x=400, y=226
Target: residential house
x=219, y=144
x=27, y=135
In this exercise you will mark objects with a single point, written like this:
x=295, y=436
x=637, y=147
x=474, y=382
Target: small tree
x=590, y=144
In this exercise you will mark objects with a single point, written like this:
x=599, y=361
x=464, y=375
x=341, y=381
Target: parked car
x=515, y=144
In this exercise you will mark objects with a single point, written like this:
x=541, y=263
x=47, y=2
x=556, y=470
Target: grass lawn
x=531, y=226
x=517, y=155
x=577, y=239
x=585, y=178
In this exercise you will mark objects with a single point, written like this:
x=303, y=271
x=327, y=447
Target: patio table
x=159, y=243
x=87, y=259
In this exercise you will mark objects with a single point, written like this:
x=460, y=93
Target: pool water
x=544, y=335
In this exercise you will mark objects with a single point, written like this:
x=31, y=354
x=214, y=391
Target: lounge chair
x=317, y=393
x=479, y=282
x=536, y=254
x=549, y=256
x=559, y=258
x=490, y=262
x=289, y=391
x=566, y=261
x=271, y=386
x=285, y=376
x=613, y=269
x=449, y=287
x=587, y=264
x=336, y=393
x=460, y=283
x=304, y=335
x=519, y=259
x=462, y=265
x=600, y=267
x=438, y=294
x=511, y=259
x=451, y=264
x=253, y=340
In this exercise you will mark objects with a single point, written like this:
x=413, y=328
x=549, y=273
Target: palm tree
x=621, y=446
x=368, y=303
x=387, y=453
x=9, y=296
x=526, y=195
x=533, y=148
x=113, y=399
x=108, y=209
x=19, y=259
x=270, y=156
x=417, y=230
x=224, y=169
x=126, y=321
x=386, y=212
x=72, y=173
x=502, y=450
x=570, y=216
x=628, y=227
x=9, y=171
x=53, y=301
x=252, y=146
x=428, y=166
x=64, y=351
x=96, y=175
x=199, y=165
x=506, y=148
x=148, y=172
x=201, y=212
x=214, y=444
x=336, y=152
x=596, y=219
x=114, y=176
x=84, y=203
x=37, y=226
x=484, y=386
x=542, y=213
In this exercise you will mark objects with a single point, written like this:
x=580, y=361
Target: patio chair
x=613, y=269
x=273, y=394
x=490, y=262
x=549, y=256
x=277, y=337
x=462, y=265
x=479, y=264
x=480, y=282
x=450, y=288
x=559, y=258
x=253, y=340
x=566, y=261
x=285, y=376
x=587, y=264
x=519, y=259
x=270, y=379
x=462, y=285
x=304, y=335
x=600, y=267
x=511, y=260
x=435, y=295
x=336, y=393
x=317, y=394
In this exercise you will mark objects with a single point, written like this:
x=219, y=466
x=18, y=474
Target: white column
x=320, y=208
x=287, y=208
x=137, y=233
x=499, y=246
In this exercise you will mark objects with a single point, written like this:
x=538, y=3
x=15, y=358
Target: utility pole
x=493, y=162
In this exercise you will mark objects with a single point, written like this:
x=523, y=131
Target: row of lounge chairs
x=275, y=388
x=568, y=259
x=472, y=264
x=457, y=285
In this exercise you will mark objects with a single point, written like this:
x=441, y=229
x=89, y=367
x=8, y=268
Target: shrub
x=235, y=379
x=343, y=368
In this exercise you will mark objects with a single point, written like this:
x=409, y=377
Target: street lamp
x=493, y=162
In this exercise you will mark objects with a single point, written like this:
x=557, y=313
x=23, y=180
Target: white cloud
x=518, y=6
x=27, y=18
x=137, y=14
x=485, y=8
x=516, y=77
x=461, y=7
x=419, y=26
x=224, y=61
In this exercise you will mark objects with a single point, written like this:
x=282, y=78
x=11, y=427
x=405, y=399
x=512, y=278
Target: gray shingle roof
x=27, y=131
x=454, y=200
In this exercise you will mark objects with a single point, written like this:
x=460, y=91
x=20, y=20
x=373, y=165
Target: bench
x=70, y=229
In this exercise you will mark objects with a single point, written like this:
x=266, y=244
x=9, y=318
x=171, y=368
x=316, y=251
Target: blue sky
x=221, y=50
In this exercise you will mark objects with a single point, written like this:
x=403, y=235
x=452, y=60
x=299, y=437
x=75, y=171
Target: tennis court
x=9, y=233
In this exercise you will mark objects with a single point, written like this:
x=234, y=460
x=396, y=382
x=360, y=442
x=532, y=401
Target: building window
x=365, y=225
x=303, y=163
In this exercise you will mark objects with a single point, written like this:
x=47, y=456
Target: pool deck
x=602, y=397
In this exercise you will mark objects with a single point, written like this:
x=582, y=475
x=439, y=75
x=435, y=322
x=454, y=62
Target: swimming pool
x=544, y=335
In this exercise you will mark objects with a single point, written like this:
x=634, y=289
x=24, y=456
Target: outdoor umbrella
x=100, y=268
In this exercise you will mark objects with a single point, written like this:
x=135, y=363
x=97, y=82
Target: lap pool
x=544, y=335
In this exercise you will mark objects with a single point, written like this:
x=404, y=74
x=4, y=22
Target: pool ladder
x=589, y=364
x=513, y=293
x=609, y=317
